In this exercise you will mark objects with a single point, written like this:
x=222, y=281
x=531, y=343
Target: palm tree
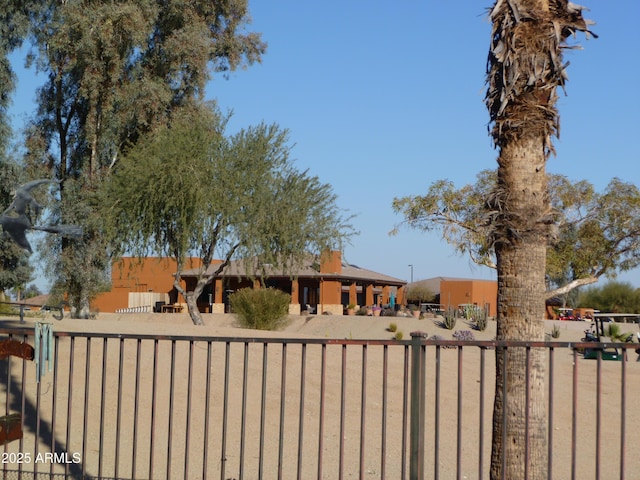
x=524, y=71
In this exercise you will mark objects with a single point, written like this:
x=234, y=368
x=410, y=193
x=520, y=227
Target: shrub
x=393, y=327
x=440, y=337
x=398, y=336
x=6, y=309
x=361, y=311
x=261, y=308
x=614, y=332
x=555, y=333
x=465, y=335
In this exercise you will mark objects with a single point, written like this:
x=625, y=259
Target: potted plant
x=351, y=309
x=376, y=309
x=415, y=311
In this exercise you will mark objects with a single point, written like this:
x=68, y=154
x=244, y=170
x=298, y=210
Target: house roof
x=39, y=300
x=308, y=269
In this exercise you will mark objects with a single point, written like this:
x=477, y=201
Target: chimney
x=331, y=262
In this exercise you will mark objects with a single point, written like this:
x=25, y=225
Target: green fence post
x=417, y=402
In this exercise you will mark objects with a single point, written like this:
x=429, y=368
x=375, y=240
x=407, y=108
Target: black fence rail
x=153, y=407
x=19, y=308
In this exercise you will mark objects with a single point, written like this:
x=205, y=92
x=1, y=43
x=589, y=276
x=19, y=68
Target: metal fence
x=150, y=407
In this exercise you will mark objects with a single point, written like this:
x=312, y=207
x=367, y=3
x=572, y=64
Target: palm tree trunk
x=520, y=374
x=525, y=69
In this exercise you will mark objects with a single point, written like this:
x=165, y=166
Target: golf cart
x=596, y=334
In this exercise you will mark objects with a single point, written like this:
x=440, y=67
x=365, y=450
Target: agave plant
x=615, y=334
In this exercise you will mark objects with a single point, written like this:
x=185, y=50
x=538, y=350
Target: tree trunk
x=520, y=254
x=80, y=306
x=191, y=298
x=192, y=307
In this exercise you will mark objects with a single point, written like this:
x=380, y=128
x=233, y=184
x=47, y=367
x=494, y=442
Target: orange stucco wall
x=477, y=292
x=331, y=262
x=152, y=274
x=331, y=290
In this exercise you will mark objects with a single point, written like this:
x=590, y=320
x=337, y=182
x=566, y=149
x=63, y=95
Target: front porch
x=308, y=295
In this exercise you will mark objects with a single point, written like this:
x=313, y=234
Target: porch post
x=217, y=290
x=385, y=294
x=353, y=293
x=369, y=294
x=218, y=305
x=294, y=304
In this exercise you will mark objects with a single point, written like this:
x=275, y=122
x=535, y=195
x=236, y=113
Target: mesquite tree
x=190, y=189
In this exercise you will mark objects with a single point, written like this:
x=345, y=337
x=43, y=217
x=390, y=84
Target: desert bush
x=261, y=308
x=393, y=327
x=465, y=335
x=361, y=311
x=555, y=332
x=6, y=309
x=398, y=336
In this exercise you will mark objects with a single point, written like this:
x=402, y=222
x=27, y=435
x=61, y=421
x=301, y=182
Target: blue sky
x=382, y=99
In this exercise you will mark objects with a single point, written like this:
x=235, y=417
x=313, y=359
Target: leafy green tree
x=15, y=269
x=14, y=27
x=614, y=297
x=80, y=268
x=593, y=234
x=115, y=71
x=188, y=189
x=30, y=291
x=419, y=293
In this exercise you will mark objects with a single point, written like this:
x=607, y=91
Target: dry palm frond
x=525, y=67
x=500, y=224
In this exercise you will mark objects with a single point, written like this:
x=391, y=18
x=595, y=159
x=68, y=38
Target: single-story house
x=139, y=284
x=318, y=285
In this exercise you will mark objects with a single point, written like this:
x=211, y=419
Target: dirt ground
x=99, y=429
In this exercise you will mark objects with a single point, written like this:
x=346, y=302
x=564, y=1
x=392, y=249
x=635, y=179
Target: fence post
x=417, y=415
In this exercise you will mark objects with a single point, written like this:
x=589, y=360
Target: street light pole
x=411, y=267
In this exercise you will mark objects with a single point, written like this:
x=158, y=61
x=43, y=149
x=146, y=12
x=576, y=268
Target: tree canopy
x=15, y=270
x=114, y=72
x=189, y=189
x=613, y=297
x=594, y=234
